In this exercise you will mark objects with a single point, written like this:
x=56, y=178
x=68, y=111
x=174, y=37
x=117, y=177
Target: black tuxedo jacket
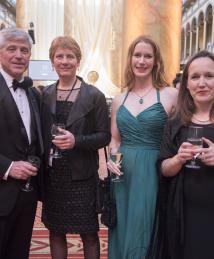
x=87, y=121
x=14, y=145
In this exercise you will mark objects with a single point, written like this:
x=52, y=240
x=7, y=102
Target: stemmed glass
x=117, y=159
x=194, y=137
x=55, y=132
x=34, y=161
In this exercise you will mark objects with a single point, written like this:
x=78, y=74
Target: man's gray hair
x=13, y=34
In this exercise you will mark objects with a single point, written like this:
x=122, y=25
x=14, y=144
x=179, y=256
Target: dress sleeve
x=168, y=147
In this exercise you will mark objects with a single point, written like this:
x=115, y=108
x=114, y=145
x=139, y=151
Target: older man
x=20, y=137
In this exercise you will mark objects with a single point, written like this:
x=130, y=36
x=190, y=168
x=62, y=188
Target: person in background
x=186, y=198
x=71, y=181
x=137, y=123
x=40, y=88
x=20, y=137
x=176, y=82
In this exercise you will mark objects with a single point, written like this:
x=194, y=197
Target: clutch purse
x=105, y=201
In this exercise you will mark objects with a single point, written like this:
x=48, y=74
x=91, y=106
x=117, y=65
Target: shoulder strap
x=125, y=97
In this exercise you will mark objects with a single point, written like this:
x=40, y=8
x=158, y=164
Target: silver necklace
x=142, y=96
x=203, y=121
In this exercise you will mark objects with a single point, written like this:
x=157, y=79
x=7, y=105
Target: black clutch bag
x=105, y=202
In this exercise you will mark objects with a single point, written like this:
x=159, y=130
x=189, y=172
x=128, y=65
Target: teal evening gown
x=136, y=195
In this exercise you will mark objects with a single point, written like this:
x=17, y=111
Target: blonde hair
x=65, y=42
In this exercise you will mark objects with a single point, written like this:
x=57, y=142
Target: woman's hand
x=65, y=141
x=207, y=154
x=113, y=167
x=172, y=166
x=185, y=152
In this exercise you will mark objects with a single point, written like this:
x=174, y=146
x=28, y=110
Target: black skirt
x=69, y=206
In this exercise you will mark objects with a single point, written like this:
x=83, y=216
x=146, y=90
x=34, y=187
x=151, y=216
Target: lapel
x=51, y=100
x=12, y=116
x=35, y=113
x=82, y=105
x=7, y=100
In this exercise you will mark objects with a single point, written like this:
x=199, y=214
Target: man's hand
x=22, y=170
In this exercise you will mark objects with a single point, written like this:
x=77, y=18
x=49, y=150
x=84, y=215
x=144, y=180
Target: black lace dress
x=69, y=205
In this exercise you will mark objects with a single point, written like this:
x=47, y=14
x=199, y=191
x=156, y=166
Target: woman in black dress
x=70, y=184
x=185, y=215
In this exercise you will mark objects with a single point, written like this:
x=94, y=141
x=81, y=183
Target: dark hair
x=158, y=75
x=186, y=106
x=65, y=42
x=177, y=79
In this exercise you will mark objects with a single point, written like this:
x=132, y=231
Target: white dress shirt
x=22, y=103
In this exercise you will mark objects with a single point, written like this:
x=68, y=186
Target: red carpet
x=40, y=244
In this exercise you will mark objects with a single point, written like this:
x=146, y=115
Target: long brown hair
x=186, y=106
x=158, y=75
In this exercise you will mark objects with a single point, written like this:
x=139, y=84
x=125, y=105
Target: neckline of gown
x=154, y=104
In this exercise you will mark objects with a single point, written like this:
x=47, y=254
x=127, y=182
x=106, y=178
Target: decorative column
x=190, y=43
x=212, y=39
x=197, y=37
x=162, y=20
x=205, y=33
x=185, y=45
x=21, y=14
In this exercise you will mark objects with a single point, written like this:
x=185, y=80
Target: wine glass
x=117, y=159
x=34, y=161
x=194, y=137
x=55, y=132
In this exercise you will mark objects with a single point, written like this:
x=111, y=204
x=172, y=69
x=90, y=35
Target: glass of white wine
x=194, y=137
x=55, y=132
x=117, y=158
x=35, y=161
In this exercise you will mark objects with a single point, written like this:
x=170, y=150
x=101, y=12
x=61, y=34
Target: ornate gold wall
x=162, y=20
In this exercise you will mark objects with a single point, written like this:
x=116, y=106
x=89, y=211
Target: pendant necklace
x=70, y=91
x=142, y=96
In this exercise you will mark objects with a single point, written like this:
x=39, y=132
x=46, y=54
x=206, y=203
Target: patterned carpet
x=40, y=244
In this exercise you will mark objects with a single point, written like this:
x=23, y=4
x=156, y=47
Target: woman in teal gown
x=137, y=122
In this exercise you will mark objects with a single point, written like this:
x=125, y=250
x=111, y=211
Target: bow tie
x=25, y=84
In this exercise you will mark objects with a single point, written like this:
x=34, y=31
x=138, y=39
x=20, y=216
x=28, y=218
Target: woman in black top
x=69, y=204
x=185, y=216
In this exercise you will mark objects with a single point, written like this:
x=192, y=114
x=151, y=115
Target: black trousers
x=16, y=228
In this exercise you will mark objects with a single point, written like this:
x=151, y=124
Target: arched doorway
x=201, y=31
x=209, y=19
x=194, y=35
x=182, y=44
x=187, y=40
